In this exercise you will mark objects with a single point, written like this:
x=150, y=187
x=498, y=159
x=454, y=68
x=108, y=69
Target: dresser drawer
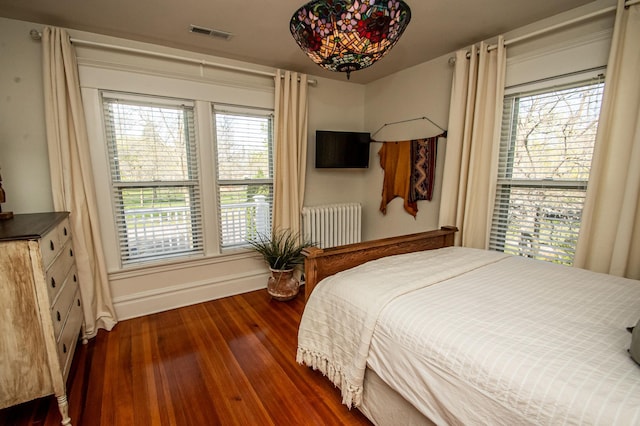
x=53, y=241
x=64, y=232
x=62, y=305
x=50, y=246
x=57, y=273
x=70, y=333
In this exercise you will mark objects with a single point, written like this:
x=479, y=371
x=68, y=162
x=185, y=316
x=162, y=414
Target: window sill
x=167, y=265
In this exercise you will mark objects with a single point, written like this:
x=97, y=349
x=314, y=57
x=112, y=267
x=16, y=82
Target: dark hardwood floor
x=226, y=362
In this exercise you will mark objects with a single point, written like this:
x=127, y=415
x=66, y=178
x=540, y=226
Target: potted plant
x=282, y=251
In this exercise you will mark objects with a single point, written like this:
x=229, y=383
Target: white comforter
x=338, y=320
x=504, y=340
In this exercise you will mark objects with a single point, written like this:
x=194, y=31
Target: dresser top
x=29, y=226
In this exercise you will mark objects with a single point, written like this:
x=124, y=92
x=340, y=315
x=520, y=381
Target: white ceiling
x=261, y=27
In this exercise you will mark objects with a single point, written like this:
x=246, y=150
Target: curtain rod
x=443, y=134
x=542, y=31
x=37, y=35
x=557, y=26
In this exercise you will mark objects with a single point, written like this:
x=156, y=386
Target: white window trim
x=547, y=84
x=193, y=186
x=204, y=95
x=543, y=86
x=237, y=110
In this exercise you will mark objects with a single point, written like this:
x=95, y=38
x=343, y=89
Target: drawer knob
x=53, y=282
x=75, y=279
x=53, y=246
x=65, y=231
x=58, y=316
x=78, y=301
x=64, y=348
x=70, y=252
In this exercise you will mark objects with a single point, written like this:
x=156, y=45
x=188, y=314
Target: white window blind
x=154, y=174
x=545, y=156
x=244, y=146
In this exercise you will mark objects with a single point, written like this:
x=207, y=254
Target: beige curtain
x=291, y=111
x=468, y=185
x=72, y=177
x=609, y=239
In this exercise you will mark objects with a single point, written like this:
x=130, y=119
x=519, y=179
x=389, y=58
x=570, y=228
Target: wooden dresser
x=40, y=310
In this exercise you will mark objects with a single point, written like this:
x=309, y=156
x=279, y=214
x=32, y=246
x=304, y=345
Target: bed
x=450, y=335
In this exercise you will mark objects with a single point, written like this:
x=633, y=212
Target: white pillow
x=634, y=350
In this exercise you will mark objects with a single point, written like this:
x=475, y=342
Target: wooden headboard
x=320, y=263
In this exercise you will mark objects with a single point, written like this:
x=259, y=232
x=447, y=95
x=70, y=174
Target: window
x=154, y=177
x=545, y=155
x=244, y=145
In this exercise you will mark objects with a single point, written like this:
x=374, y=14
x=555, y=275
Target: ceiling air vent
x=209, y=32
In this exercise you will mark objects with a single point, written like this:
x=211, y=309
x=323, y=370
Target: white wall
x=571, y=48
x=334, y=105
x=424, y=90
x=24, y=163
x=24, y=160
x=421, y=91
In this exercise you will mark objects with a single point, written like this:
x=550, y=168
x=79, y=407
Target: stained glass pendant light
x=349, y=35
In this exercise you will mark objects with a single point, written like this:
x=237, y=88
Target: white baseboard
x=166, y=298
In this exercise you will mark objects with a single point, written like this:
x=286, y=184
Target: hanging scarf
x=409, y=172
x=423, y=161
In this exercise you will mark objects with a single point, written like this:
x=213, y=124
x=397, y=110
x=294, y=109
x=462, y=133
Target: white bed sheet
x=514, y=342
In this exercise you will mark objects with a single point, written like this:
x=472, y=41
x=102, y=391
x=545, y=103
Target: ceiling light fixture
x=349, y=35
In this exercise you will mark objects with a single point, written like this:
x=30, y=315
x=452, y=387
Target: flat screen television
x=346, y=150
